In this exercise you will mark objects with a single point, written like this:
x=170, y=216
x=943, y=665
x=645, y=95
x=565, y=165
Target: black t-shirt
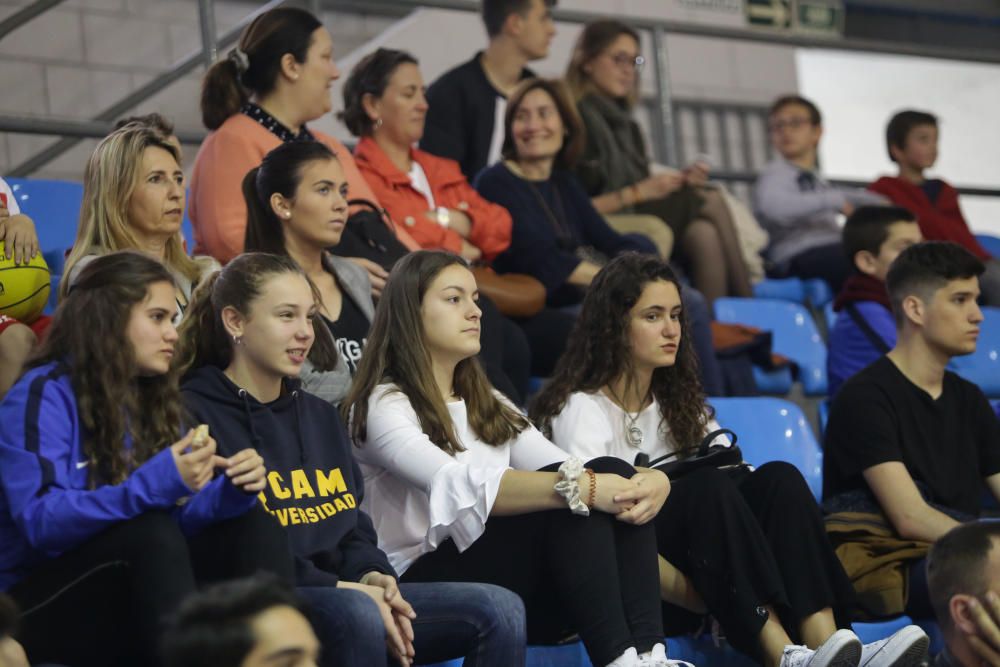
x=948, y=445
x=350, y=331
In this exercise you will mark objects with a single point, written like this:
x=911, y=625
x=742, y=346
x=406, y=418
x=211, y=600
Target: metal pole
x=664, y=97
x=22, y=16
x=206, y=21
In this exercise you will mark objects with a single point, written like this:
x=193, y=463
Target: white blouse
x=592, y=425
x=417, y=495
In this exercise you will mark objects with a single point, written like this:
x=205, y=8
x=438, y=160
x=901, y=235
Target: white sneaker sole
x=842, y=649
x=907, y=648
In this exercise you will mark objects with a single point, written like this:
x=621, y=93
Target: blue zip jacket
x=46, y=505
x=314, y=486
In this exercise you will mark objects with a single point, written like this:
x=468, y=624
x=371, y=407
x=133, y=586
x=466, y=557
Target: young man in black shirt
x=906, y=437
x=467, y=104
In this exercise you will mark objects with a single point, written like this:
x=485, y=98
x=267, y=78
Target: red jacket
x=491, y=223
x=941, y=220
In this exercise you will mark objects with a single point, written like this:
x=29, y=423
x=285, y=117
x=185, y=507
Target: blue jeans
x=479, y=622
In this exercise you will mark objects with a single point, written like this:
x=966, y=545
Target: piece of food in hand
x=200, y=437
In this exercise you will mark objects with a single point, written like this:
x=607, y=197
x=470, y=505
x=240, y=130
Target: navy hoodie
x=314, y=486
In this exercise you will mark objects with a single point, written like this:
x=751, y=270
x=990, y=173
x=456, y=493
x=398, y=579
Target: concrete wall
x=83, y=55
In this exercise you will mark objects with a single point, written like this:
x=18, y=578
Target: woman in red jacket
x=384, y=104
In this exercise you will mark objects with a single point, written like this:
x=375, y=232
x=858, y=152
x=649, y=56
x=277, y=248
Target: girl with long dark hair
x=246, y=341
x=108, y=503
x=462, y=487
x=749, y=547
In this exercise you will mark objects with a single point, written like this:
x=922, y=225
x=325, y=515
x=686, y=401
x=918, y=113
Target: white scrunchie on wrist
x=569, y=486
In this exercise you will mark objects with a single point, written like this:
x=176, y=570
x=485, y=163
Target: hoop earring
x=237, y=340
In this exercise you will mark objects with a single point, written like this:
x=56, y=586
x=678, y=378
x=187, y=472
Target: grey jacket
x=799, y=208
x=332, y=386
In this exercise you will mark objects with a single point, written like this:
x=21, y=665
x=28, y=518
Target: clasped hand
x=636, y=500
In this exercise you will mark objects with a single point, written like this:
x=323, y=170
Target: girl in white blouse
x=748, y=547
x=461, y=487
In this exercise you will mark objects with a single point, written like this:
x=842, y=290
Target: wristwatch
x=443, y=216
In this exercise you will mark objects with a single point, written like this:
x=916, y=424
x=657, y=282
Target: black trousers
x=547, y=332
x=827, y=262
x=748, y=543
x=595, y=575
x=504, y=353
x=104, y=602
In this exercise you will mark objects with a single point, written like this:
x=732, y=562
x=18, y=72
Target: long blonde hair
x=109, y=180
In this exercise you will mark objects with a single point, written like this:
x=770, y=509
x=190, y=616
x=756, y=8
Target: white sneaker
x=657, y=657
x=904, y=648
x=842, y=649
x=627, y=659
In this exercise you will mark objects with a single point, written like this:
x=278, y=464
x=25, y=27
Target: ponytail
x=203, y=339
x=222, y=94
x=264, y=231
x=255, y=64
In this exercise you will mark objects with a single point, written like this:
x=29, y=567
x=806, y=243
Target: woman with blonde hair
x=603, y=76
x=133, y=199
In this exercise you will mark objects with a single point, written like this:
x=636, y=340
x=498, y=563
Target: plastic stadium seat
x=795, y=334
x=983, y=366
x=187, y=231
x=773, y=429
x=818, y=292
x=823, y=415
x=786, y=289
x=55, y=208
x=990, y=243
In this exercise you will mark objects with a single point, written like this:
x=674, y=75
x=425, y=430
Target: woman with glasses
x=617, y=174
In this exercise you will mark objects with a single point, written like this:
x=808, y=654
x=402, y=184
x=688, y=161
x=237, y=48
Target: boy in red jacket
x=912, y=141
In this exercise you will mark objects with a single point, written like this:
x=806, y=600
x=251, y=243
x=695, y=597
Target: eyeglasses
x=625, y=60
x=790, y=123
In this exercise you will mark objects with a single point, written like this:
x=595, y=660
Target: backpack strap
x=867, y=329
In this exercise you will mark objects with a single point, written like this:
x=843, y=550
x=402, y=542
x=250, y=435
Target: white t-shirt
x=417, y=495
x=8, y=194
x=592, y=425
x=418, y=179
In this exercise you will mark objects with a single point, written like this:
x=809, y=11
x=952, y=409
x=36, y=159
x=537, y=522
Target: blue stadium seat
x=983, y=366
x=823, y=415
x=990, y=243
x=55, y=208
x=187, y=231
x=773, y=429
x=785, y=289
x=818, y=292
x=795, y=335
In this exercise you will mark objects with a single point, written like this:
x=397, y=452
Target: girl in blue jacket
x=247, y=336
x=109, y=513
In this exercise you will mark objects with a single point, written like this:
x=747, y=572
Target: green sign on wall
x=815, y=17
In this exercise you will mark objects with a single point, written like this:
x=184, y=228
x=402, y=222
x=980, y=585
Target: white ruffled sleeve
x=460, y=494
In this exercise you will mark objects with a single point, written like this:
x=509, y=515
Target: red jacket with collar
x=941, y=220
x=491, y=224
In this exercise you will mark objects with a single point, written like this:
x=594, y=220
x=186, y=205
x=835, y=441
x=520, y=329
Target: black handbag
x=728, y=459
x=369, y=233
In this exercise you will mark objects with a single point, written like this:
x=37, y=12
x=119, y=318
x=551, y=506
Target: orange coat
x=491, y=223
x=216, y=207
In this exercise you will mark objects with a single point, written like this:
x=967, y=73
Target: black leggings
x=747, y=544
x=593, y=575
x=104, y=602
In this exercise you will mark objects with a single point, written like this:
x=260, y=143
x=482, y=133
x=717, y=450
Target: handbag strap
x=702, y=449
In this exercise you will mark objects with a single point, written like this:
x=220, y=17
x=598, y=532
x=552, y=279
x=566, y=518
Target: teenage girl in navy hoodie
x=110, y=511
x=247, y=335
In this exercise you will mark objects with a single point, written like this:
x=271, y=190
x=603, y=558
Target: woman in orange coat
x=384, y=104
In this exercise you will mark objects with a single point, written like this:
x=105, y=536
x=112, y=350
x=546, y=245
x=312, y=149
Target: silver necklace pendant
x=635, y=436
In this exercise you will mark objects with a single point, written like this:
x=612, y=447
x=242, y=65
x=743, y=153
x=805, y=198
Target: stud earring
x=378, y=123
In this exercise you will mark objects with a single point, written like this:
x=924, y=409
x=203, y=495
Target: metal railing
x=720, y=120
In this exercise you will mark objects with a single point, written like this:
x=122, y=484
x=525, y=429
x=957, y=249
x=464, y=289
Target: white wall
x=858, y=93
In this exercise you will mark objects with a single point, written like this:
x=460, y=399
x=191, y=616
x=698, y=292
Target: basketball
x=24, y=288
